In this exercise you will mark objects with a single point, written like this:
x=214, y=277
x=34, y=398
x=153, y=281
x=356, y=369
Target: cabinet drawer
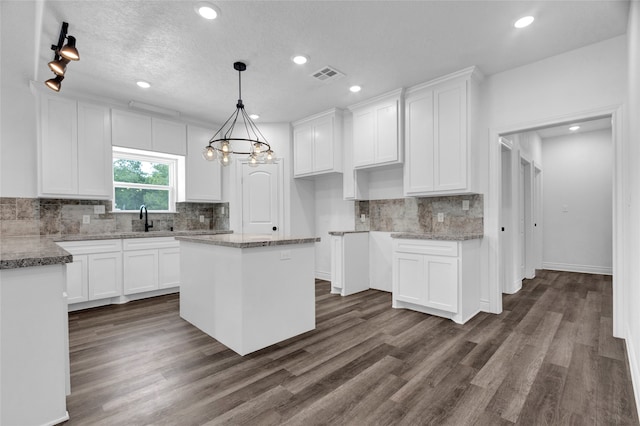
x=430, y=247
x=149, y=243
x=91, y=246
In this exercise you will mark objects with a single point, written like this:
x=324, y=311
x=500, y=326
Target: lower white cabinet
x=349, y=262
x=96, y=271
x=150, y=264
x=437, y=277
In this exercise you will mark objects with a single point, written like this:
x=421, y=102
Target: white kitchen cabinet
x=377, y=131
x=150, y=264
x=96, y=271
x=440, y=136
x=139, y=131
x=168, y=136
x=317, y=144
x=78, y=279
x=74, y=149
x=140, y=271
x=437, y=277
x=131, y=130
x=349, y=262
x=105, y=275
x=169, y=267
x=203, y=178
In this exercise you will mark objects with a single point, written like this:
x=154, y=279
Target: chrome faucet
x=146, y=222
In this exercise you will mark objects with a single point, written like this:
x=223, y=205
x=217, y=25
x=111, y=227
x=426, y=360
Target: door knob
x=275, y=228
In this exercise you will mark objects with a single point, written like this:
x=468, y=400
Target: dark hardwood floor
x=549, y=358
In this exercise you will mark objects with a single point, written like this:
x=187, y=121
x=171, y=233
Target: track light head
x=59, y=65
x=55, y=83
x=69, y=51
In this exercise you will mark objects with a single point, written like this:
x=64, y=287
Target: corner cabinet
x=203, y=178
x=74, y=149
x=441, y=138
x=377, y=131
x=317, y=144
x=437, y=277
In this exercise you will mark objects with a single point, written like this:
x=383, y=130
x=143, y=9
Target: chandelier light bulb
x=225, y=147
x=257, y=148
x=225, y=159
x=209, y=153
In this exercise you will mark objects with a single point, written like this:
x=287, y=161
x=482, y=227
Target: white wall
x=332, y=214
x=631, y=288
x=577, y=202
x=17, y=105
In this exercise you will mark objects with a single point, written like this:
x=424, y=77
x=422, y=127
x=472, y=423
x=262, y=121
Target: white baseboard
x=321, y=275
x=635, y=372
x=585, y=269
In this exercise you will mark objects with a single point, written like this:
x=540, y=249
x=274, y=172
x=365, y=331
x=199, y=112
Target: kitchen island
x=248, y=291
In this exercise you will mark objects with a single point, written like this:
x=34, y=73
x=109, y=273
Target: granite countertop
x=35, y=250
x=341, y=233
x=442, y=237
x=247, y=240
x=22, y=252
x=126, y=235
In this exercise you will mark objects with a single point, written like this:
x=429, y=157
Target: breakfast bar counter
x=248, y=291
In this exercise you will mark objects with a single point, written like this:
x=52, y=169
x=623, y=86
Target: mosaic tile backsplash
x=43, y=216
x=420, y=215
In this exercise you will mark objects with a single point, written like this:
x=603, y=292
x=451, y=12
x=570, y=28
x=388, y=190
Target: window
x=142, y=177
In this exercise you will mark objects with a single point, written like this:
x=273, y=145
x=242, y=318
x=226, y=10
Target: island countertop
x=247, y=240
x=451, y=236
x=34, y=250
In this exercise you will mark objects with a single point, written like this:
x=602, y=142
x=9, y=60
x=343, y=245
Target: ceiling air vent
x=327, y=74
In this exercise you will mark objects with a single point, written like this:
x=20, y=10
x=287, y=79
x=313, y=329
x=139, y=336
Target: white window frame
x=153, y=157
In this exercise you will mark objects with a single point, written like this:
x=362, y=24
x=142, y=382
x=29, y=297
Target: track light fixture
x=63, y=54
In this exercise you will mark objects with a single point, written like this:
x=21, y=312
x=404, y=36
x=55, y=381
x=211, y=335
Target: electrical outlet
x=285, y=255
x=86, y=218
x=363, y=218
x=565, y=208
x=222, y=209
x=440, y=217
x=201, y=218
x=465, y=204
x=98, y=209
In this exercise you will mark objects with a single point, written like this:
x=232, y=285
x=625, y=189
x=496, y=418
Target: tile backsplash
x=44, y=216
x=420, y=215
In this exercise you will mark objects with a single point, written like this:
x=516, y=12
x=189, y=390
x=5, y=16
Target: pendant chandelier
x=223, y=144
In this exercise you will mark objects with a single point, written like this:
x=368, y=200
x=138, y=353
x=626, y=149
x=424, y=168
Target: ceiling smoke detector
x=327, y=74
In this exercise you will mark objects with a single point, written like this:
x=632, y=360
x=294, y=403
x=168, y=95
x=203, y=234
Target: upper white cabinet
x=168, y=136
x=377, y=131
x=131, y=130
x=203, y=178
x=74, y=149
x=139, y=131
x=317, y=147
x=440, y=138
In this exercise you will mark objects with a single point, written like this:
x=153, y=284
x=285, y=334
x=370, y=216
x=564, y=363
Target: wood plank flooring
x=549, y=358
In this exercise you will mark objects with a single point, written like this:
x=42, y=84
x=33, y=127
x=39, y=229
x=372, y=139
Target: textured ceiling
x=380, y=45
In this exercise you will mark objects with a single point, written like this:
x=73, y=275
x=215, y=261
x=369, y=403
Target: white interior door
x=260, y=199
x=506, y=227
x=521, y=213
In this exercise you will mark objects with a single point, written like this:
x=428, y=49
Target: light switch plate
x=201, y=218
x=363, y=218
x=86, y=218
x=98, y=209
x=465, y=204
x=440, y=217
x=285, y=255
x=222, y=210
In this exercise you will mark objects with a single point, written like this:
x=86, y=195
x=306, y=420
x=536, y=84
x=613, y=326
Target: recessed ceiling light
x=574, y=128
x=254, y=116
x=143, y=84
x=523, y=22
x=300, y=59
x=355, y=89
x=207, y=10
